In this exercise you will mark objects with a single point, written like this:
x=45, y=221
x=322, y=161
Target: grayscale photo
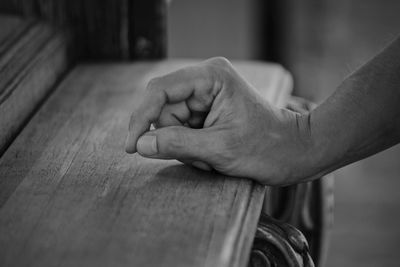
x=199, y=133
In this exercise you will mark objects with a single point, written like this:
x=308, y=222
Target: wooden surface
x=71, y=196
x=33, y=56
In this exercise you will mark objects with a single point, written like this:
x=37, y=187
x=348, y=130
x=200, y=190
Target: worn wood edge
x=27, y=81
x=247, y=229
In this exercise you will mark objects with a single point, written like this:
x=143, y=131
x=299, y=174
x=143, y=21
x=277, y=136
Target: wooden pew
x=69, y=195
x=69, y=191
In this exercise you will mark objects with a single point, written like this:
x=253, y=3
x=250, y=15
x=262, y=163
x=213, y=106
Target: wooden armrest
x=71, y=196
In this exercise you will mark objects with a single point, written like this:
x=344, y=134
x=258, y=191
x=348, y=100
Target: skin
x=210, y=117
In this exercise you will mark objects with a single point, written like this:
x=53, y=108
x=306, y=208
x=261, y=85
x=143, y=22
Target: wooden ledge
x=71, y=196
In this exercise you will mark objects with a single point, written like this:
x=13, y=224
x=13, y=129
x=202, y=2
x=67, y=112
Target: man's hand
x=208, y=116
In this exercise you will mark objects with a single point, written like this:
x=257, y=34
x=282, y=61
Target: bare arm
x=362, y=117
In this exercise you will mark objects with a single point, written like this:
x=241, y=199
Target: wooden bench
x=71, y=196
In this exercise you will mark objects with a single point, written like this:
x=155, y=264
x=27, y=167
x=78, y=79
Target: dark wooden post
x=147, y=29
x=104, y=29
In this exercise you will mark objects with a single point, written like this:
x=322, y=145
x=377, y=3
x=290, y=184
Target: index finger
x=172, y=88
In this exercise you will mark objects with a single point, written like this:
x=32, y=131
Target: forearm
x=362, y=117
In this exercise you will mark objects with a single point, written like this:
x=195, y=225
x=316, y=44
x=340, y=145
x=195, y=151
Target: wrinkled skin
x=208, y=116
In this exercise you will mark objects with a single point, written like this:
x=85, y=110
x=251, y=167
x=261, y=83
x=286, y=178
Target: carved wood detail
x=279, y=244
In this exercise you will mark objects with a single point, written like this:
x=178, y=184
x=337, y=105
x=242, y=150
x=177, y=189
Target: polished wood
x=33, y=56
x=71, y=196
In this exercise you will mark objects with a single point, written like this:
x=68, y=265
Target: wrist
x=298, y=150
x=309, y=154
x=313, y=149
x=322, y=153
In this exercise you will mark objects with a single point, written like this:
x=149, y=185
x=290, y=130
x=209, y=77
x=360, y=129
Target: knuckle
x=154, y=91
x=153, y=83
x=185, y=71
x=221, y=69
x=221, y=61
x=222, y=66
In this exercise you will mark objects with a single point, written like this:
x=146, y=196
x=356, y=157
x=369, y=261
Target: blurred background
x=320, y=42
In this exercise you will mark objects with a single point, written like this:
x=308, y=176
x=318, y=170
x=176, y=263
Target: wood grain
x=33, y=56
x=71, y=196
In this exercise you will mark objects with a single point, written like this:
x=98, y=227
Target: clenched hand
x=208, y=116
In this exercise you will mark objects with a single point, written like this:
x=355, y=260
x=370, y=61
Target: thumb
x=176, y=142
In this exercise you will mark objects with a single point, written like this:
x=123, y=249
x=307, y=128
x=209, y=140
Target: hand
x=208, y=116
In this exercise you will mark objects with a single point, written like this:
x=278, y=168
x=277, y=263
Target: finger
x=197, y=119
x=179, y=114
x=173, y=115
x=179, y=143
x=175, y=87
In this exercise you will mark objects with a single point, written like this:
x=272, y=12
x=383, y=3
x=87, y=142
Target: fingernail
x=147, y=145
